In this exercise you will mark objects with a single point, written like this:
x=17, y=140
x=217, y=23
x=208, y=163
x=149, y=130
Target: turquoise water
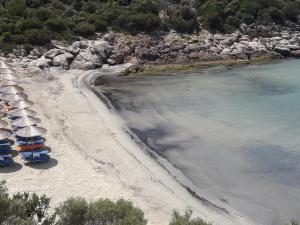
x=234, y=132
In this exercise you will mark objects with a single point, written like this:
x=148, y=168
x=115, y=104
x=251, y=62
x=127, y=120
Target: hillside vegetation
x=36, y=22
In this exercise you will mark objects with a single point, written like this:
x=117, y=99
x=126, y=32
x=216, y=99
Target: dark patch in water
x=270, y=87
x=276, y=161
x=154, y=135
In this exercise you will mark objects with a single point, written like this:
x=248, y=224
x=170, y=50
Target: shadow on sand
x=43, y=166
x=11, y=169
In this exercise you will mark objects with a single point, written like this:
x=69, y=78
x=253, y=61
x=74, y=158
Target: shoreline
x=149, y=69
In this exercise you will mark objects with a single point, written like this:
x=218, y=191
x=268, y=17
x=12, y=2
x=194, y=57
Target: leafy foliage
x=36, y=22
x=186, y=219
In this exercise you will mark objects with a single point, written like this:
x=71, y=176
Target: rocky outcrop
x=117, y=48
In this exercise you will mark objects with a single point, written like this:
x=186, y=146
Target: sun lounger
x=35, y=156
x=6, y=160
x=5, y=150
x=5, y=143
x=29, y=147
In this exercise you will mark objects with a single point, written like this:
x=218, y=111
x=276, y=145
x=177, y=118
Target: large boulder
x=41, y=62
x=238, y=48
x=256, y=46
x=102, y=48
x=52, y=53
x=295, y=54
x=86, y=60
x=62, y=60
x=282, y=50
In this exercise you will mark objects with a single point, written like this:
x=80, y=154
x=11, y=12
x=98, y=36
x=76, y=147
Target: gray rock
x=52, y=53
x=74, y=48
x=41, y=62
x=61, y=61
x=284, y=51
x=293, y=47
x=86, y=60
x=256, y=46
x=237, y=48
x=295, y=54
x=102, y=48
x=109, y=37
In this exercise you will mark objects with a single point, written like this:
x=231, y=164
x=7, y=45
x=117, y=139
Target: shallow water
x=233, y=131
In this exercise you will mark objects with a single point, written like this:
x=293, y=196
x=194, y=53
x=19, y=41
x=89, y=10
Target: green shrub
x=84, y=29
x=37, y=37
x=6, y=37
x=182, y=26
x=56, y=24
x=28, y=24
x=186, y=219
x=27, y=47
x=103, y=211
x=43, y=14
x=18, y=38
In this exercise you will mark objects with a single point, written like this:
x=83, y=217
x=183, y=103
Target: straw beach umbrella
x=2, y=114
x=26, y=121
x=11, y=89
x=31, y=131
x=22, y=113
x=9, y=83
x=22, y=104
x=13, y=97
x=8, y=76
x=3, y=124
x=5, y=134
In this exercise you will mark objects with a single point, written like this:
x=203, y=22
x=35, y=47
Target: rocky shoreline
x=171, y=48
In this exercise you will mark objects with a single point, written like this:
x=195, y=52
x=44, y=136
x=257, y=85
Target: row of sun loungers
x=14, y=112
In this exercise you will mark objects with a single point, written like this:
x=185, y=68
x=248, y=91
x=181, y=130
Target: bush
x=6, y=37
x=43, y=14
x=186, y=219
x=84, y=29
x=37, y=37
x=183, y=26
x=27, y=48
x=18, y=38
x=56, y=24
x=103, y=211
x=28, y=24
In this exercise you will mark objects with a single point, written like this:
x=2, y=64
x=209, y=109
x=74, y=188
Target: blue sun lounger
x=35, y=156
x=6, y=160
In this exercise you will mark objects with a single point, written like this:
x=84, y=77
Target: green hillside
x=35, y=22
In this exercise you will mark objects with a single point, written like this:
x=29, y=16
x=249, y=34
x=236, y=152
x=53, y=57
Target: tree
x=186, y=219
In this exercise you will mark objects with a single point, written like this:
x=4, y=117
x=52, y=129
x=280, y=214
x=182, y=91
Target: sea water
x=232, y=131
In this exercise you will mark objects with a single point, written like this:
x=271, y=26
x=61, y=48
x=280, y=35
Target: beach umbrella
x=22, y=104
x=8, y=83
x=3, y=124
x=21, y=112
x=26, y=121
x=2, y=114
x=8, y=76
x=12, y=89
x=13, y=97
x=4, y=134
x=31, y=131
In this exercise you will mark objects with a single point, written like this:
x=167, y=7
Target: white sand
x=94, y=157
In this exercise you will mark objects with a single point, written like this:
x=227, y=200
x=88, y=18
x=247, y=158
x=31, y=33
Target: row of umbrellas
x=15, y=105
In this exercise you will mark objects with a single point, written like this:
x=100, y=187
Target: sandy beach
x=94, y=157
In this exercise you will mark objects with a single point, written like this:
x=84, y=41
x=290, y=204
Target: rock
x=52, y=53
x=111, y=62
x=36, y=53
x=86, y=60
x=61, y=61
x=237, y=48
x=256, y=46
x=192, y=48
x=102, y=48
x=284, y=51
x=225, y=52
x=109, y=37
x=228, y=41
x=293, y=47
x=244, y=38
x=74, y=48
x=41, y=62
x=295, y=54
x=117, y=58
